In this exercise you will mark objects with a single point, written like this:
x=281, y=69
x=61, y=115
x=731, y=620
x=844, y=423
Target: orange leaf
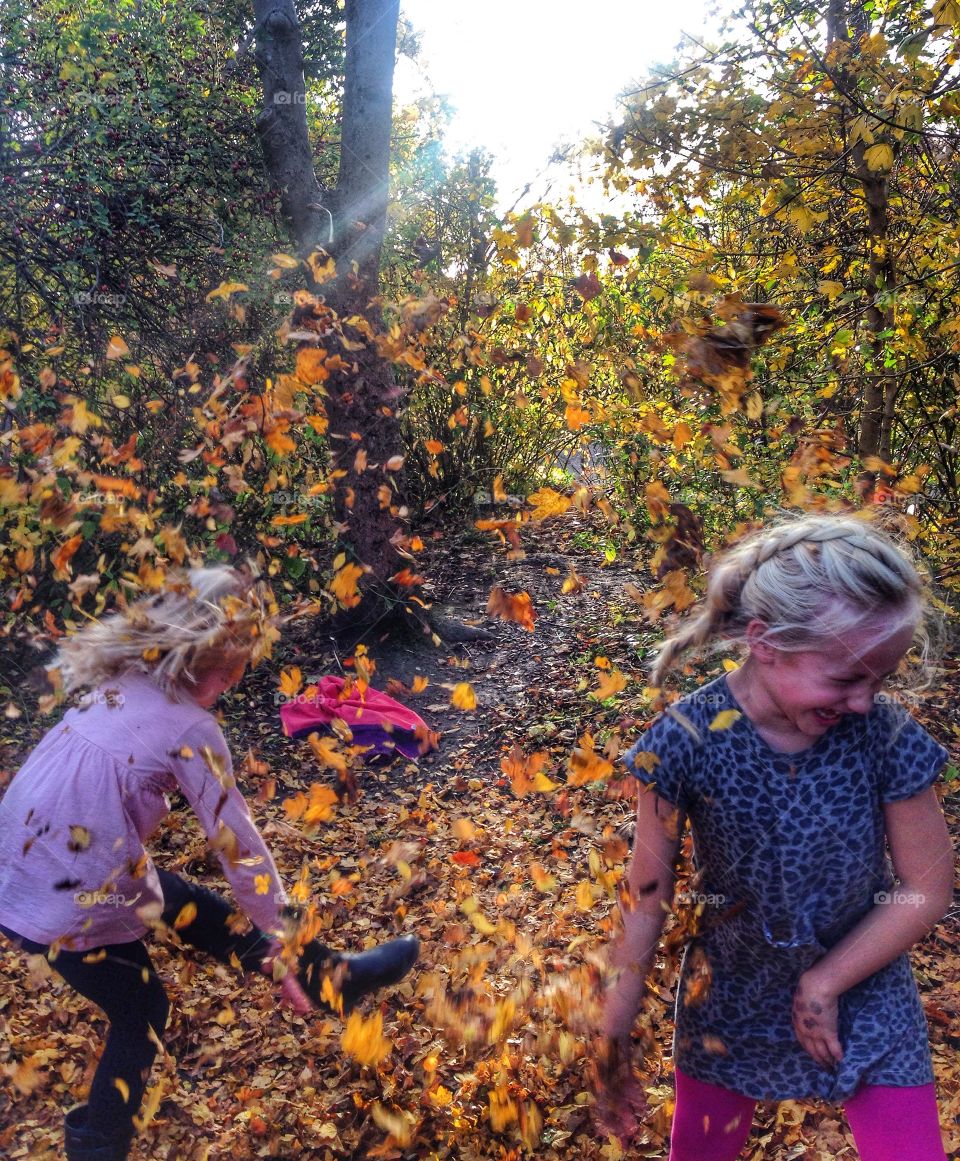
x=467, y=859
x=516, y=607
x=464, y=696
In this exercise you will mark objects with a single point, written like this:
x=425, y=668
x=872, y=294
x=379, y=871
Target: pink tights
x=888, y=1124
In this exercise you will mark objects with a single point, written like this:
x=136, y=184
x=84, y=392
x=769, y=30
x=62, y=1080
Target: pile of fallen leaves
x=503, y=852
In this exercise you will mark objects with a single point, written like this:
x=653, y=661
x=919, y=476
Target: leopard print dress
x=792, y=854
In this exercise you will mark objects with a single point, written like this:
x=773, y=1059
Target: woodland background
x=251, y=311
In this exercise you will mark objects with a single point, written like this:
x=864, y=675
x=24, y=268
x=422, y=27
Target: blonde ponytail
x=170, y=635
x=808, y=580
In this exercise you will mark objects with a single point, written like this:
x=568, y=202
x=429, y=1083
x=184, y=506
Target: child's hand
x=292, y=994
x=815, y=1022
x=620, y=1099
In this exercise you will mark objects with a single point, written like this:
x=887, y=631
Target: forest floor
x=511, y=890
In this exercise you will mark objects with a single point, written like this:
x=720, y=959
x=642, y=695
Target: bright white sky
x=527, y=74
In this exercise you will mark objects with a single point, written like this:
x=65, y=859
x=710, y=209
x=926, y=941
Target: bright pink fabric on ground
x=888, y=1124
x=369, y=712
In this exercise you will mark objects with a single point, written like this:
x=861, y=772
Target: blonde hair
x=200, y=616
x=808, y=580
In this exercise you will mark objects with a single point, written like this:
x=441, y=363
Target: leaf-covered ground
x=502, y=851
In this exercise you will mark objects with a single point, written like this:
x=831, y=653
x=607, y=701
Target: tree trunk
x=364, y=431
x=880, y=387
x=282, y=124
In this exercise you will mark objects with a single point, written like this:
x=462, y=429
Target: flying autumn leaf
x=610, y=685
x=517, y=607
x=573, y=583
x=344, y=585
x=588, y=286
x=117, y=348
x=586, y=765
x=523, y=770
x=466, y=859
x=725, y=719
x=547, y=502
x=364, y=1041
x=225, y=289
x=463, y=696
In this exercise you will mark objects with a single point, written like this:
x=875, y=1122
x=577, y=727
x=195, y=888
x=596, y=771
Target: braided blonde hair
x=201, y=617
x=808, y=580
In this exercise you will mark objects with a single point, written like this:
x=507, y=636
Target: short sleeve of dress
x=909, y=759
x=663, y=760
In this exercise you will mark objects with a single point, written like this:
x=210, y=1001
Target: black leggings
x=120, y=979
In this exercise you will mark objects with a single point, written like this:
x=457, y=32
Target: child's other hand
x=292, y=994
x=815, y=1022
x=620, y=1099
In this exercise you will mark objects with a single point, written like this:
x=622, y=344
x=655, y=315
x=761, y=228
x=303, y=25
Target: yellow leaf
x=399, y=1124
x=117, y=348
x=120, y=401
x=830, y=289
x=879, y=158
x=611, y=684
x=185, y=916
x=284, y=261
x=464, y=830
x=419, y=684
x=433, y=446
x=344, y=585
x=730, y=666
x=122, y=1087
x=261, y=884
x=739, y=477
x=584, y=895
x=312, y=365
x=322, y=266
x=725, y=719
x=225, y=289
x=573, y=582
x=542, y=879
x=586, y=765
x=482, y=923
x=547, y=503
x=543, y=785
x=646, y=760
x=326, y=751
x=290, y=681
x=363, y=1039
x=463, y=696
x=499, y=492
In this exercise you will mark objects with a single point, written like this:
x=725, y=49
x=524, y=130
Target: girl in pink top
x=76, y=884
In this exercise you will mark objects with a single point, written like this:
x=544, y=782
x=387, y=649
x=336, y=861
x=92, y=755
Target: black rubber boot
x=85, y=1144
x=353, y=976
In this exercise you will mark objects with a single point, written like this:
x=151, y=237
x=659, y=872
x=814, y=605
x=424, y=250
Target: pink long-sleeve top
x=73, y=821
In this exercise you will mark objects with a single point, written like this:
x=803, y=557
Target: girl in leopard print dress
x=797, y=774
